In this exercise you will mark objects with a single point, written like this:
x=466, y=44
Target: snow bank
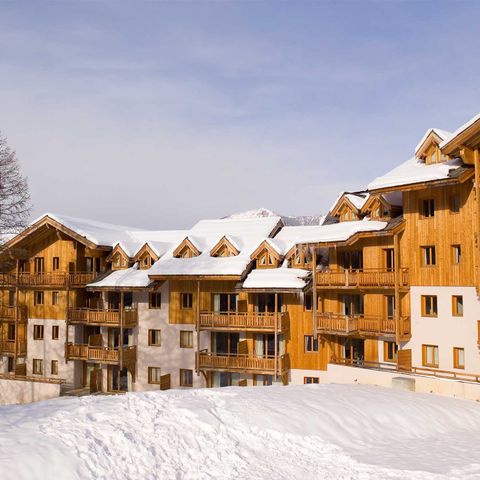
x=277, y=278
x=315, y=431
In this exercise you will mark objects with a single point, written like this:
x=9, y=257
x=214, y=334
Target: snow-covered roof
x=460, y=130
x=131, y=239
x=276, y=278
x=245, y=232
x=415, y=171
x=334, y=232
x=394, y=198
x=131, y=277
x=442, y=134
x=357, y=199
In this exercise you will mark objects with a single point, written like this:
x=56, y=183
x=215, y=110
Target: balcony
x=243, y=363
x=361, y=325
x=107, y=355
x=8, y=348
x=365, y=278
x=9, y=313
x=255, y=322
x=107, y=318
x=54, y=280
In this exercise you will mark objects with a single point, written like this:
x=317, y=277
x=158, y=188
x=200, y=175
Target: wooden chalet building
x=389, y=280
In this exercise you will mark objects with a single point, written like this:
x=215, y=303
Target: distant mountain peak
x=288, y=220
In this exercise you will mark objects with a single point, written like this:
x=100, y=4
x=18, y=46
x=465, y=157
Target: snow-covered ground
x=297, y=432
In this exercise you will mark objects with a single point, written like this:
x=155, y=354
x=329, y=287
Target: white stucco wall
x=446, y=330
x=20, y=391
x=48, y=349
x=169, y=356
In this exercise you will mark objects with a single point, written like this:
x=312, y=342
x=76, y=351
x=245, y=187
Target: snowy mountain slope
x=287, y=220
x=298, y=432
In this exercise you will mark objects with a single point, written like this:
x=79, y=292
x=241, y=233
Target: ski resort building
x=389, y=280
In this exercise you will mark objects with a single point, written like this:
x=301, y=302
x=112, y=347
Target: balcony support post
x=122, y=313
x=67, y=312
x=276, y=337
x=197, y=325
x=314, y=292
x=17, y=306
x=397, y=273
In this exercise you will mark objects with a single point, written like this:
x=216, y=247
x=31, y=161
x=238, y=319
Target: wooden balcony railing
x=244, y=321
x=247, y=363
x=340, y=324
x=368, y=278
x=9, y=313
x=8, y=348
x=92, y=316
x=59, y=280
x=74, y=351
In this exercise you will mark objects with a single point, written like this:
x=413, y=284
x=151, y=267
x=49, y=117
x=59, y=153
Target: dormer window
x=225, y=247
x=186, y=249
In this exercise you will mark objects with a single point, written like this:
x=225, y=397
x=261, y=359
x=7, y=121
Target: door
x=265, y=345
x=95, y=379
x=389, y=259
x=352, y=305
x=225, y=302
x=266, y=303
x=118, y=379
x=225, y=343
x=355, y=350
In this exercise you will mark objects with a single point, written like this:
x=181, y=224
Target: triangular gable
x=429, y=147
x=345, y=205
x=118, y=257
x=224, y=248
x=186, y=249
x=145, y=252
x=375, y=202
x=47, y=222
x=268, y=247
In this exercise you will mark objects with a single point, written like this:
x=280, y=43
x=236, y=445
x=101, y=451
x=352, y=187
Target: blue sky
x=157, y=114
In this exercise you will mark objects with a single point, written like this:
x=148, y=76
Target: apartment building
x=390, y=279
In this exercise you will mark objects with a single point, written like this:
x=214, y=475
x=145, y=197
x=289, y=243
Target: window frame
x=158, y=375
x=429, y=256
x=55, y=332
x=456, y=312
x=154, y=305
x=456, y=254
x=183, y=296
x=36, y=363
x=386, y=357
x=427, y=208
x=190, y=375
x=54, y=367
x=311, y=380
x=434, y=304
x=38, y=331
x=425, y=348
x=456, y=364
x=152, y=333
x=188, y=334
x=315, y=342
x=55, y=298
x=55, y=264
x=39, y=297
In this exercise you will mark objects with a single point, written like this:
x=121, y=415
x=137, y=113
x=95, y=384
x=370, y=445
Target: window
x=429, y=306
x=154, y=375
x=390, y=350
x=38, y=332
x=154, y=300
x=154, y=338
x=457, y=305
x=428, y=208
x=430, y=356
x=11, y=298
x=186, y=378
x=308, y=380
x=311, y=343
x=39, y=265
x=186, y=339
x=456, y=254
x=390, y=259
x=89, y=264
x=10, y=365
x=390, y=305
x=54, y=367
x=55, y=264
x=308, y=301
x=458, y=357
x=39, y=298
x=55, y=298
x=455, y=204
x=429, y=258
x=186, y=301
x=55, y=330
x=11, y=332
x=37, y=366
